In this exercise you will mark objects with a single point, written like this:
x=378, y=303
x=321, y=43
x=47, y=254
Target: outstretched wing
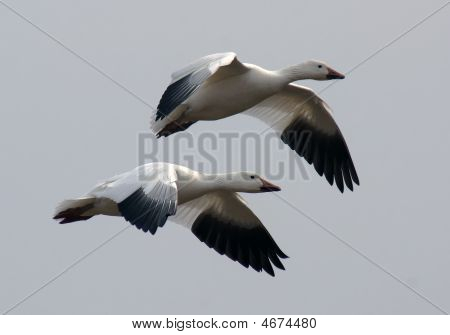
x=223, y=222
x=187, y=80
x=145, y=197
x=305, y=123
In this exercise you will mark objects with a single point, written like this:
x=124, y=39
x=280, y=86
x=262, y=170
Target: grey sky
x=64, y=127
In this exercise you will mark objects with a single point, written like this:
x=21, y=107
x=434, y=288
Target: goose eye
x=253, y=177
x=319, y=66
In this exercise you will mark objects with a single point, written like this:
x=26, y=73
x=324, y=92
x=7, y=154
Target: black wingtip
x=328, y=152
x=349, y=185
x=354, y=174
x=268, y=268
x=143, y=212
x=329, y=178
x=281, y=267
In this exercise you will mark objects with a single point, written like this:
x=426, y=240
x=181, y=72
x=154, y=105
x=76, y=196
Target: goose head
x=312, y=69
x=321, y=71
x=251, y=183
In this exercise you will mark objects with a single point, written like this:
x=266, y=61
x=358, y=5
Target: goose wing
x=187, y=80
x=223, y=222
x=305, y=123
x=145, y=197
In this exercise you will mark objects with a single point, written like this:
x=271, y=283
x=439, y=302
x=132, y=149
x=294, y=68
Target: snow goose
x=218, y=86
x=206, y=204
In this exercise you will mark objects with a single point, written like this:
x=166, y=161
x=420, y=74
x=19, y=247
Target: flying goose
x=219, y=85
x=207, y=204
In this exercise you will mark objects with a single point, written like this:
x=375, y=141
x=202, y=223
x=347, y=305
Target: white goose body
x=219, y=86
x=232, y=95
x=207, y=204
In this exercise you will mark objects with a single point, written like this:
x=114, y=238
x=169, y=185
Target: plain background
x=64, y=127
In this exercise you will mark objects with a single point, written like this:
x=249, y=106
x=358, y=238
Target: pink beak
x=269, y=187
x=333, y=74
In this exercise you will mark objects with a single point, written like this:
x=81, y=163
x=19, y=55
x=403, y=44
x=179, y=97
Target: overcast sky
x=64, y=127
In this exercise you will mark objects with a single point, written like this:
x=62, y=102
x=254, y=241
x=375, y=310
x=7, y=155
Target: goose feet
x=174, y=127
